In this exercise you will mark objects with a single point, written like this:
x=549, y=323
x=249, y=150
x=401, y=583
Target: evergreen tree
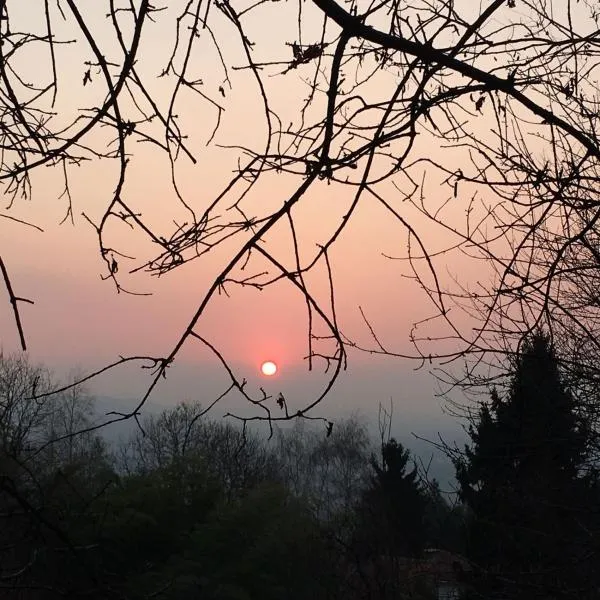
x=390, y=528
x=393, y=506
x=443, y=521
x=522, y=479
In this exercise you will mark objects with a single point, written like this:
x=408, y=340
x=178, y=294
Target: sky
x=79, y=321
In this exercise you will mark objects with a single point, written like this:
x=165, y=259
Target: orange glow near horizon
x=268, y=368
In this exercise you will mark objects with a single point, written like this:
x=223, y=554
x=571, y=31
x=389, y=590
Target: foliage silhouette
x=525, y=481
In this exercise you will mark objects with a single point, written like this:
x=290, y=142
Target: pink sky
x=78, y=320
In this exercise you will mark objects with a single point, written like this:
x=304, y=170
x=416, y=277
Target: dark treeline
x=196, y=508
x=529, y=479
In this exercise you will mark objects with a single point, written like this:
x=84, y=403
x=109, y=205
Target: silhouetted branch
x=14, y=300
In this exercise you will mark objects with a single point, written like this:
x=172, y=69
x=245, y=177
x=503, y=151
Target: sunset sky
x=79, y=321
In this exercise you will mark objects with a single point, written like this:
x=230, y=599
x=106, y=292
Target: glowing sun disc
x=268, y=368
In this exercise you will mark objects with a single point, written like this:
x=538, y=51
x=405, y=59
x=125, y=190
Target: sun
x=268, y=368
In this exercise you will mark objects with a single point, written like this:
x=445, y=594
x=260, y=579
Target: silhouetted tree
x=268, y=545
x=329, y=472
x=389, y=531
x=238, y=459
x=443, y=520
x=523, y=481
x=397, y=501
